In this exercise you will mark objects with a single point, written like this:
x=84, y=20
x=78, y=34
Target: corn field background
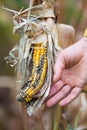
x=71, y=12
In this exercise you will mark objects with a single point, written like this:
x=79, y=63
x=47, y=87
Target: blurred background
x=71, y=12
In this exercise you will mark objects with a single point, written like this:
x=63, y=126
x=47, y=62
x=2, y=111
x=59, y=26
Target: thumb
x=58, y=67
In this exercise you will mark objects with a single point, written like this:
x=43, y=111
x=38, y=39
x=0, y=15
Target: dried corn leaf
x=34, y=55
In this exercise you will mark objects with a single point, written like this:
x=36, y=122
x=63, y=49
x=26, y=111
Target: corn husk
x=34, y=29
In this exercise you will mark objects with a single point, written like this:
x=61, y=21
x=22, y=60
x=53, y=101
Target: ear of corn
x=39, y=70
x=34, y=55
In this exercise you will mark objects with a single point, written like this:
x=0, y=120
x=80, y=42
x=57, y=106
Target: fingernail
x=54, y=78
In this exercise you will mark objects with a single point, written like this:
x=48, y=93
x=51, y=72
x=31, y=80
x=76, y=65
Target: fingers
x=64, y=96
x=59, y=96
x=74, y=93
x=59, y=66
x=56, y=87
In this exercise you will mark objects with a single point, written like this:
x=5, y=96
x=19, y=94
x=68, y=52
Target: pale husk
x=34, y=30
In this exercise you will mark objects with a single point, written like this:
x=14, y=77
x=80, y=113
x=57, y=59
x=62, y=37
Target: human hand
x=70, y=74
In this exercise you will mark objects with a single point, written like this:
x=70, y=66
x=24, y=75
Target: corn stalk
x=34, y=57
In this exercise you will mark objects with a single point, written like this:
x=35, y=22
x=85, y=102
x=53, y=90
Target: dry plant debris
x=34, y=55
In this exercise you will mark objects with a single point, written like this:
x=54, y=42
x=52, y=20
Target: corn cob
x=38, y=74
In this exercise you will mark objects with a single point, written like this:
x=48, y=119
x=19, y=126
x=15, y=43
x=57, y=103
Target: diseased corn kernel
x=39, y=70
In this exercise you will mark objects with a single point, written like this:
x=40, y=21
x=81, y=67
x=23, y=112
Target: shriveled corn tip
x=23, y=97
x=19, y=98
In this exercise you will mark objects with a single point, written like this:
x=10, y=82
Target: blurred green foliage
x=71, y=13
x=7, y=39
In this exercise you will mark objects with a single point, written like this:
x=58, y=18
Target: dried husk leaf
x=34, y=30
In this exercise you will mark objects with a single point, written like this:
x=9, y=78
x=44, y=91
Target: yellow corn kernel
x=29, y=90
x=27, y=99
x=85, y=33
